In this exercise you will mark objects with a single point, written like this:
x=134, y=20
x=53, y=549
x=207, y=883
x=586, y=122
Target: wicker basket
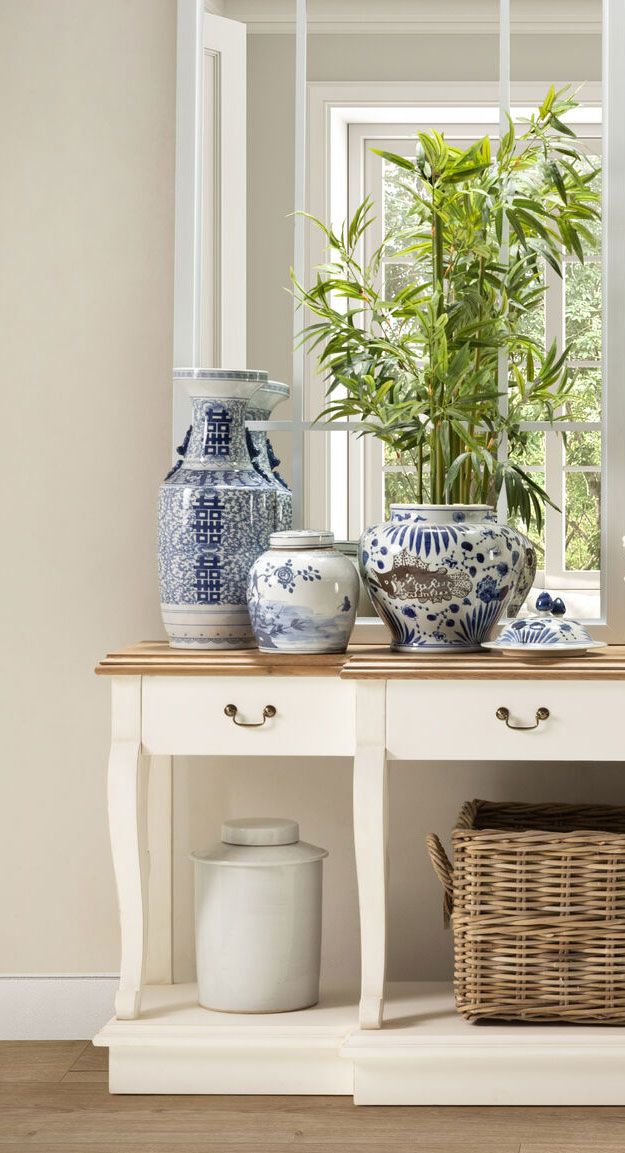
x=537, y=901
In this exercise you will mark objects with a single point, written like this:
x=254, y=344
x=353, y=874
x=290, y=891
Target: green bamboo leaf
x=561, y=127
x=394, y=158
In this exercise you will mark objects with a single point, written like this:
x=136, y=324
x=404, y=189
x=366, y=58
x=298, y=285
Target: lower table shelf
x=424, y=1055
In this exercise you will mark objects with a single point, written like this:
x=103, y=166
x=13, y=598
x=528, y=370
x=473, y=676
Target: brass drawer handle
x=268, y=712
x=503, y=714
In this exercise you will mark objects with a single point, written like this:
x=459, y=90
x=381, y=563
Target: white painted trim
x=398, y=17
x=211, y=188
x=55, y=1006
x=298, y=452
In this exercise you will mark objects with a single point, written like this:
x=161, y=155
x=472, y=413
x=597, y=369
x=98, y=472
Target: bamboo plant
x=419, y=367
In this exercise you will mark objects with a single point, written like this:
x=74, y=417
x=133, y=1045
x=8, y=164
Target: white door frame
x=211, y=186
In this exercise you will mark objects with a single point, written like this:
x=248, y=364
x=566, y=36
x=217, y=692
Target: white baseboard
x=57, y=1007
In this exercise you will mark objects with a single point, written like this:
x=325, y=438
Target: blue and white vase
x=303, y=594
x=216, y=514
x=261, y=449
x=527, y=574
x=440, y=576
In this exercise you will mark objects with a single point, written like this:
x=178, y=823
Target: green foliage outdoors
x=414, y=353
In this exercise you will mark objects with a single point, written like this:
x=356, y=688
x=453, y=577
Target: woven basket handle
x=444, y=871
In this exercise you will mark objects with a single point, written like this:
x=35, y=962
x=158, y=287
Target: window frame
x=332, y=109
x=365, y=177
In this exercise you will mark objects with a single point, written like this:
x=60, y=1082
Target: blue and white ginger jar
x=215, y=516
x=303, y=594
x=261, y=449
x=441, y=576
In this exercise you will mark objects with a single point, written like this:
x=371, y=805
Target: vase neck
x=218, y=434
x=443, y=514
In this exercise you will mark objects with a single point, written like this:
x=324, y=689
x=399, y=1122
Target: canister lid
x=302, y=538
x=260, y=831
x=263, y=841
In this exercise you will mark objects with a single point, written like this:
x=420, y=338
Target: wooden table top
x=362, y=662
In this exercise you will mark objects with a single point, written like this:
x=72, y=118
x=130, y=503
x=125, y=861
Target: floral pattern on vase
x=440, y=576
x=302, y=595
x=527, y=573
x=261, y=449
x=216, y=514
x=541, y=630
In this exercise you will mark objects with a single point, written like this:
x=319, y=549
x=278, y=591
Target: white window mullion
x=554, y=447
x=613, y=456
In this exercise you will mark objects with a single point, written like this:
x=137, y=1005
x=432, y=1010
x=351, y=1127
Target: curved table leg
x=371, y=844
x=127, y=802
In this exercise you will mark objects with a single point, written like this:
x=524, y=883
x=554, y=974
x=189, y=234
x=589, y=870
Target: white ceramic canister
x=258, y=918
x=302, y=594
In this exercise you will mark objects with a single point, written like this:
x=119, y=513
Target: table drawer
x=314, y=716
x=457, y=720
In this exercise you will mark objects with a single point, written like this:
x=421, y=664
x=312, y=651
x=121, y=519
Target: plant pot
x=216, y=514
x=440, y=576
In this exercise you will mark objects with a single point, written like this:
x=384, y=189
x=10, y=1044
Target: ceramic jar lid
x=260, y=831
x=260, y=842
x=301, y=538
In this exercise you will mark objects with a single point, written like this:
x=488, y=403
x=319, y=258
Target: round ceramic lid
x=259, y=856
x=260, y=831
x=301, y=538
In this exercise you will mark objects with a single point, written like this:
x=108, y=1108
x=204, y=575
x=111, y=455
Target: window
x=566, y=458
x=360, y=481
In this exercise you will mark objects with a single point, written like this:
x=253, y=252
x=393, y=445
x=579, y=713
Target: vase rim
x=278, y=386
x=246, y=374
x=443, y=507
x=269, y=396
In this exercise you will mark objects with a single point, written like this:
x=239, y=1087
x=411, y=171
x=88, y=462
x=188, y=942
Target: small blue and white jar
x=302, y=595
x=262, y=452
x=215, y=516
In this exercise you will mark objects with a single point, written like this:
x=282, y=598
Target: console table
x=403, y=1044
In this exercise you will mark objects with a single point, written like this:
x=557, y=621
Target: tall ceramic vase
x=263, y=456
x=216, y=513
x=441, y=576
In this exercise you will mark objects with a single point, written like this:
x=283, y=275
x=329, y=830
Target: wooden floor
x=54, y=1097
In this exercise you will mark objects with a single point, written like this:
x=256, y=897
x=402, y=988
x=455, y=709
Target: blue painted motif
x=442, y=579
x=208, y=579
x=544, y=630
x=217, y=430
x=216, y=514
x=298, y=605
x=208, y=523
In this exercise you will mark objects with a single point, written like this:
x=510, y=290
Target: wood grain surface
x=363, y=662
x=48, y=1110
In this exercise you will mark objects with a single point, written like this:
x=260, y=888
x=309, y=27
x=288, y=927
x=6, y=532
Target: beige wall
x=87, y=103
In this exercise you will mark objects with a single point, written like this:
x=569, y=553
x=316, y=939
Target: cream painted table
x=403, y=1044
